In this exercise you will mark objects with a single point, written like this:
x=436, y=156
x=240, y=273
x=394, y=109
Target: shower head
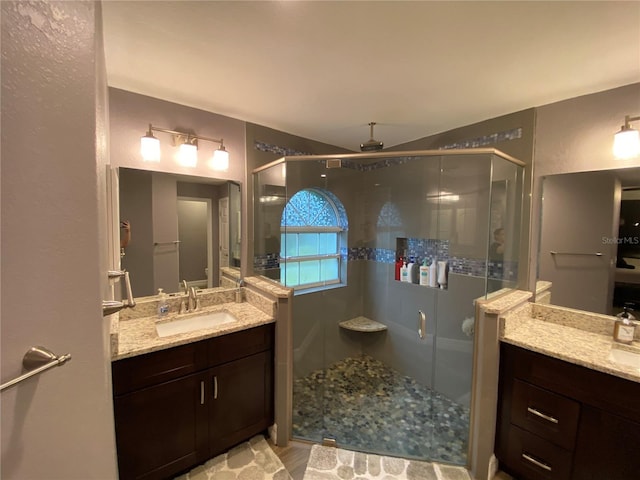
x=371, y=145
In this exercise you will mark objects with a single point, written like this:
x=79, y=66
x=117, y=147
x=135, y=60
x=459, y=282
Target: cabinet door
x=242, y=400
x=162, y=430
x=606, y=447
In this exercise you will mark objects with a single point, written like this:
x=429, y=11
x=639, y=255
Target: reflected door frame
x=209, y=272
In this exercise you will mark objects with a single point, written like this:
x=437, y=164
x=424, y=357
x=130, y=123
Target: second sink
x=625, y=357
x=191, y=324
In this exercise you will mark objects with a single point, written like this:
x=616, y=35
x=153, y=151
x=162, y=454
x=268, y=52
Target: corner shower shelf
x=362, y=324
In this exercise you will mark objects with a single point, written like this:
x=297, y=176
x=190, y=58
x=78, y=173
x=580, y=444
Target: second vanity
x=569, y=397
x=184, y=398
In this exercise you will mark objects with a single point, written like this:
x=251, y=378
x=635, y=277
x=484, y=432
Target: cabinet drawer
x=550, y=416
x=530, y=457
x=240, y=344
x=583, y=384
x=134, y=373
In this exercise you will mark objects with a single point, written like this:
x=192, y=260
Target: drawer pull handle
x=538, y=413
x=215, y=387
x=537, y=463
x=202, y=393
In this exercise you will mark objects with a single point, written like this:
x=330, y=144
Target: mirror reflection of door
x=580, y=215
x=223, y=228
x=194, y=232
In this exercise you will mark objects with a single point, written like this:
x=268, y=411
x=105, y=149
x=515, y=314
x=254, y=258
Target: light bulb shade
x=220, y=160
x=626, y=143
x=150, y=148
x=188, y=155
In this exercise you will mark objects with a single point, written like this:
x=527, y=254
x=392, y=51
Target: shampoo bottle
x=399, y=264
x=442, y=274
x=424, y=273
x=163, y=304
x=432, y=274
x=404, y=273
x=411, y=271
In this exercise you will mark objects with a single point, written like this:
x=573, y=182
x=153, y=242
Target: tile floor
x=369, y=407
x=326, y=463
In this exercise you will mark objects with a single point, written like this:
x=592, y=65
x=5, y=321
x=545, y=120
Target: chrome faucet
x=193, y=302
x=239, y=285
x=193, y=299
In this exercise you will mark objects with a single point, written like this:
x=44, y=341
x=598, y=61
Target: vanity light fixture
x=188, y=153
x=150, y=147
x=220, y=159
x=626, y=143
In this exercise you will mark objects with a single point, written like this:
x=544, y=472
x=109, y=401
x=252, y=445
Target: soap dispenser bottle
x=163, y=304
x=424, y=273
x=625, y=327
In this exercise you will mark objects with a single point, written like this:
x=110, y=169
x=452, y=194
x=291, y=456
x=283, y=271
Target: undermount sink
x=625, y=357
x=191, y=324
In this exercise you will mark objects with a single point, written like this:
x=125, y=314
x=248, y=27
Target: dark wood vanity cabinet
x=557, y=420
x=177, y=408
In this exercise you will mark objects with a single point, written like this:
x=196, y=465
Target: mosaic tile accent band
x=278, y=150
x=419, y=249
x=485, y=140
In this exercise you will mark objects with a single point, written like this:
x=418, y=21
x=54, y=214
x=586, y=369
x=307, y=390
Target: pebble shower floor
x=368, y=406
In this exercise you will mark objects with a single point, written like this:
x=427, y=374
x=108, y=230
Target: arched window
x=313, y=230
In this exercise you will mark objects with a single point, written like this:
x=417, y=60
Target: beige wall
x=58, y=425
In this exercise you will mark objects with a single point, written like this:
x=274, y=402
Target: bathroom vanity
x=179, y=407
x=568, y=407
x=181, y=399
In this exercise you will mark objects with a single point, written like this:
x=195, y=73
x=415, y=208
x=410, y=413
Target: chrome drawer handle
x=215, y=387
x=202, y=393
x=538, y=413
x=537, y=463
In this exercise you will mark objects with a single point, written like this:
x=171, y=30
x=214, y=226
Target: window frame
x=328, y=216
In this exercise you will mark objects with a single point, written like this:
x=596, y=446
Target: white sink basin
x=191, y=324
x=625, y=357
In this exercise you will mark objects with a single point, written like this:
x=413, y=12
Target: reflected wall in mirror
x=182, y=228
x=590, y=239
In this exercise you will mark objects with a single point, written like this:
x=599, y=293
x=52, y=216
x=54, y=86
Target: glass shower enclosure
x=387, y=253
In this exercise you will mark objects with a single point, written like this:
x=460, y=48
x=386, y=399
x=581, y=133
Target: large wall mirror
x=182, y=228
x=590, y=239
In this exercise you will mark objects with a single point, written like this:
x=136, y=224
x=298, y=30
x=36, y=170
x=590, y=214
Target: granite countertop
x=579, y=338
x=137, y=336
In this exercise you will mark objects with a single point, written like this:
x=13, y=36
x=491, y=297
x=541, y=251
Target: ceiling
x=324, y=70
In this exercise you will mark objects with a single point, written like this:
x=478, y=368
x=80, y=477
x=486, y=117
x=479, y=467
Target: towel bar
x=35, y=361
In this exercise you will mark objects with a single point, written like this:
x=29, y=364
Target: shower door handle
x=422, y=324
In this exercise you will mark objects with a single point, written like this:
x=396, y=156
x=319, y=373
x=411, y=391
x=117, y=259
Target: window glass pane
x=289, y=273
x=290, y=244
x=308, y=244
x=328, y=243
x=329, y=269
x=309, y=272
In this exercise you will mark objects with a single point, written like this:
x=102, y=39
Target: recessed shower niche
x=335, y=232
